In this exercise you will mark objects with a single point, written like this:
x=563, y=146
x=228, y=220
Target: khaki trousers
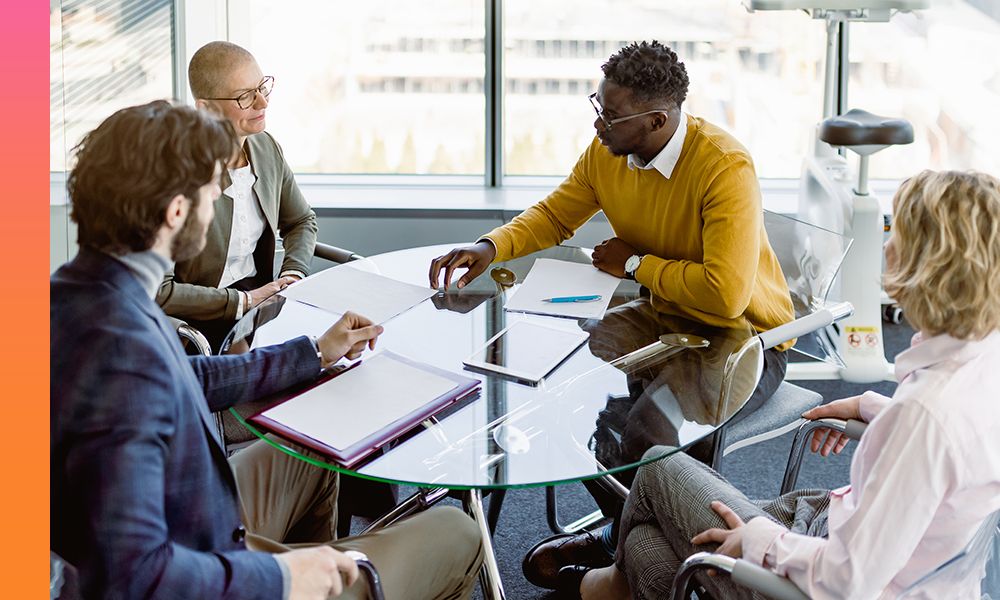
x=288, y=503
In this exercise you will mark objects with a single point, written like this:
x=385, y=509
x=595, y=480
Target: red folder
x=350, y=456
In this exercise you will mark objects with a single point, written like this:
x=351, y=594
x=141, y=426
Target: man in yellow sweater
x=682, y=198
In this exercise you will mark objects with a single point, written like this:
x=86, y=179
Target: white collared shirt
x=248, y=226
x=924, y=476
x=666, y=159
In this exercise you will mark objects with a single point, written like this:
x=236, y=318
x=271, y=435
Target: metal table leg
x=421, y=500
x=489, y=576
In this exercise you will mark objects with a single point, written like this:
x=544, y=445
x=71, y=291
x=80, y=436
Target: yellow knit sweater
x=707, y=256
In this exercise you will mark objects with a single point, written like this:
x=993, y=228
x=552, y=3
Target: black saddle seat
x=861, y=128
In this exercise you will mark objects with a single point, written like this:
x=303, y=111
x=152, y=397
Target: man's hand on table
x=610, y=256
x=475, y=258
x=348, y=337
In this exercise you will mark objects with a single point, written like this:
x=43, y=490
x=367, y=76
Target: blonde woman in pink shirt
x=926, y=472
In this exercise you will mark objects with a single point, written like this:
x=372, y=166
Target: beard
x=190, y=240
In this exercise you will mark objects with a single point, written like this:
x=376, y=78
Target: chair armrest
x=852, y=428
x=766, y=582
x=741, y=571
x=369, y=573
x=191, y=335
x=807, y=324
x=334, y=254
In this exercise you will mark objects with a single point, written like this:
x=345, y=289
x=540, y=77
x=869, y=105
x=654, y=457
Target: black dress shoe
x=568, y=581
x=542, y=563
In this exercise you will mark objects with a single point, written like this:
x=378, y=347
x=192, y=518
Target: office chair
x=979, y=558
x=810, y=259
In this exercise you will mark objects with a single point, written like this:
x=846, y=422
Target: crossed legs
x=668, y=505
x=288, y=502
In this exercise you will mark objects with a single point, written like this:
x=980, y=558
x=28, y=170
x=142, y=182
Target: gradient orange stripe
x=24, y=369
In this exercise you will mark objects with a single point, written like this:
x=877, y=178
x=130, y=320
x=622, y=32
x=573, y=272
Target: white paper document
x=549, y=278
x=350, y=407
x=343, y=289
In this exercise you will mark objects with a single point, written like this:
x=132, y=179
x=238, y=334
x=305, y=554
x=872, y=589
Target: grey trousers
x=289, y=503
x=670, y=503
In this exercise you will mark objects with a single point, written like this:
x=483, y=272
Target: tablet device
x=526, y=351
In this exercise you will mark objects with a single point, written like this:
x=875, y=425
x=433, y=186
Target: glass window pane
x=104, y=55
x=757, y=75
x=941, y=71
x=383, y=86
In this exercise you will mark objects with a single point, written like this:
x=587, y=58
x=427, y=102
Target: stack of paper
x=551, y=278
x=345, y=288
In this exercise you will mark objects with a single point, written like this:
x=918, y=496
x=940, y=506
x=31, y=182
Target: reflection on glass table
x=641, y=380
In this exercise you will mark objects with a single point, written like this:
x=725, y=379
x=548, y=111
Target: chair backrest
x=978, y=561
x=810, y=258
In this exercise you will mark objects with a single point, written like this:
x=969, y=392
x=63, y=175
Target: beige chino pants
x=290, y=503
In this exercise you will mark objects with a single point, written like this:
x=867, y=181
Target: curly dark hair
x=129, y=169
x=651, y=70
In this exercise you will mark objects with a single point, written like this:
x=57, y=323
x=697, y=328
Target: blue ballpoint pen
x=572, y=299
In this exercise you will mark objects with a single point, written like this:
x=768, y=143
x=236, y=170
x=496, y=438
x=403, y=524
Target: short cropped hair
x=947, y=272
x=210, y=64
x=651, y=70
x=129, y=169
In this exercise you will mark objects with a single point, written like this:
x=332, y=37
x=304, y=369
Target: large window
x=392, y=87
x=104, y=55
x=373, y=87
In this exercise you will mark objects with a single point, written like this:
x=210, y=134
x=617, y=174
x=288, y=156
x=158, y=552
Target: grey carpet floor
x=756, y=470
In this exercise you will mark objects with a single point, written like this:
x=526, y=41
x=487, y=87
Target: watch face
x=632, y=263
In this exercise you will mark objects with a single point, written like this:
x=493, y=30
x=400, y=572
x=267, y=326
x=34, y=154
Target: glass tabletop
x=641, y=380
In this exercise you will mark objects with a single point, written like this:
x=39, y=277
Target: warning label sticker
x=861, y=339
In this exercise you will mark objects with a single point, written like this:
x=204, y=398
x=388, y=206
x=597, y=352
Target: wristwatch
x=632, y=265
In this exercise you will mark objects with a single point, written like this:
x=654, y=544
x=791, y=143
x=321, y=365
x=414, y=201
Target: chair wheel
x=892, y=313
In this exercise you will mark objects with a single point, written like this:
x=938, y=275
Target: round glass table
x=644, y=385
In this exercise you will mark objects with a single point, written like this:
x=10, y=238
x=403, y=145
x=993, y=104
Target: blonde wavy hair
x=946, y=272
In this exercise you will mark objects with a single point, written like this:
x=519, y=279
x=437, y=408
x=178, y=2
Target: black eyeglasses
x=247, y=98
x=609, y=122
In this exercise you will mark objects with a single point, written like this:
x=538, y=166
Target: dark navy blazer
x=143, y=501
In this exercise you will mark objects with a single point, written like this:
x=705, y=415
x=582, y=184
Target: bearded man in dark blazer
x=144, y=502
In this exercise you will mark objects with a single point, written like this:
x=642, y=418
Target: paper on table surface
x=550, y=278
x=343, y=289
x=350, y=407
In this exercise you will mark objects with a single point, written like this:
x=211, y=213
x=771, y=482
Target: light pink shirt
x=925, y=474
